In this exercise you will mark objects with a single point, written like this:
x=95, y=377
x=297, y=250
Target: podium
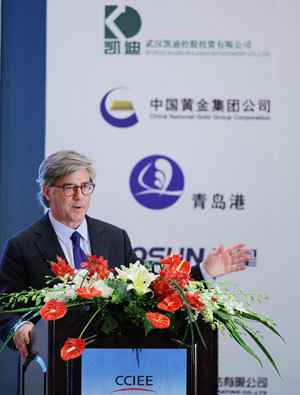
x=45, y=373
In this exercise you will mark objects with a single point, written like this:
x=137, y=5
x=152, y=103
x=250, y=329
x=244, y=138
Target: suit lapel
x=99, y=244
x=47, y=243
x=46, y=240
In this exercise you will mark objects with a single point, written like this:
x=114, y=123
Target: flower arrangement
x=143, y=297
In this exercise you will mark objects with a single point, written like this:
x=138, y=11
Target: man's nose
x=78, y=194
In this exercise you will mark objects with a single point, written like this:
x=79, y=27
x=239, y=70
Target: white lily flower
x=139, y=275
x=122, y=273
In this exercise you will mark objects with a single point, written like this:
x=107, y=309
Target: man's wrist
x=206, y=276
x=19, y=326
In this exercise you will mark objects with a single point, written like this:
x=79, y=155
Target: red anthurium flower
x=176, y=271
x=177, y=268
x=194, y=300
x=72, y=349
x=171, y=259
x=97, y=265
x=88, y=293
x=160, y=321
x=170, y=303
x=61, y=268
x=53, y=310
x=184, y=267
x=162, y=289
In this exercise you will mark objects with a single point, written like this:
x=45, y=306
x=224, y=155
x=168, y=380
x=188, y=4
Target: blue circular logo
x=156, y=182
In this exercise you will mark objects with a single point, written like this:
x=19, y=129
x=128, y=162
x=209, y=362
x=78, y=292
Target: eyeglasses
x=71, y=189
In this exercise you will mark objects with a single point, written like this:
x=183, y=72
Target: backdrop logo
x=193, y=255
x=117, y=110
x=121, y=22
x=156, y=182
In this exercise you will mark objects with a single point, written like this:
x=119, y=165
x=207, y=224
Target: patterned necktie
x=79, y=254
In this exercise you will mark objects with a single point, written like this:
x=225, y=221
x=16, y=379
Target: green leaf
x=222, y=314
x=185, y=333
x=148, y=326
x=200, y=335
x=190, y=315
x=120, y=292
x=175, y=324
x=264, y=350
x=21, y=310
x=241, y=342
x=120, y=315
x=109, y=325
x=254, y=317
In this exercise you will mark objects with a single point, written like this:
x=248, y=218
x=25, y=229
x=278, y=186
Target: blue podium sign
x=134, y=371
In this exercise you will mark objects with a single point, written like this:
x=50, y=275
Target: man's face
x=70, y=210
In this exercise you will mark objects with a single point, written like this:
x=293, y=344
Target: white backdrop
x=214, y=87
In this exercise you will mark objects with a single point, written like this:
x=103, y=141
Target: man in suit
x=66, y=181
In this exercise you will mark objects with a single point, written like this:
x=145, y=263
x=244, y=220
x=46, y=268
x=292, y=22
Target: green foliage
x=120, y=293
x=110, y=323
x=148, y=327
x=221, y=308
x=138, y=307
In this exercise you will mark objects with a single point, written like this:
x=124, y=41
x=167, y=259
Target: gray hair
x=61, y=164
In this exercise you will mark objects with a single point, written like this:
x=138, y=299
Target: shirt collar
x=64, y=232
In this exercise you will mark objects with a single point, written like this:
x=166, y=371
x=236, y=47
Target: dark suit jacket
x=196, y=272
x=26, y=256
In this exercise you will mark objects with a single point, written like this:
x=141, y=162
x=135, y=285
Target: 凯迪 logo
x=157, y=182
x=121, y=22
x=117, y=110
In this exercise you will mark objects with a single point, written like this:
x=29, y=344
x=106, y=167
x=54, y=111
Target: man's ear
x=46, y=192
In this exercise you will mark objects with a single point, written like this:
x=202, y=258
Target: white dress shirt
x=64, y=234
